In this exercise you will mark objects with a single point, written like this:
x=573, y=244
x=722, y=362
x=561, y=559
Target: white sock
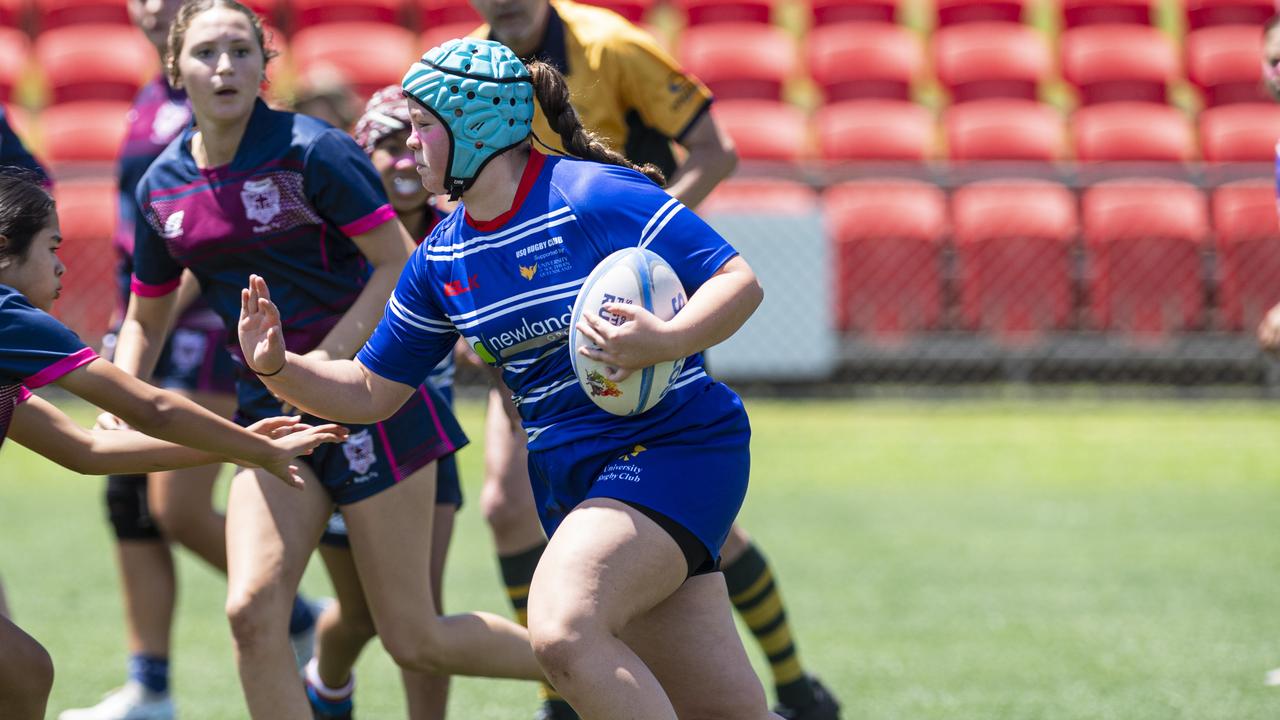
x=324, y=691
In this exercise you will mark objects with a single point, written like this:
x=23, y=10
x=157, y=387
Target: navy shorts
x=376, y=457
x=695, y=474
x=192, y=360
x=448, y=492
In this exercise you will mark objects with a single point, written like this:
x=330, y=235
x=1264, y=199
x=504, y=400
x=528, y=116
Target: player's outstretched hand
x=291, y=439
x=1269, y=330
x=261, y=336
x=640, y=341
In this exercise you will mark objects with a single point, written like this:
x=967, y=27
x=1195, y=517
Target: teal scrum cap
x=482, y=94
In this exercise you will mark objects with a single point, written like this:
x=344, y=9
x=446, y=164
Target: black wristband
x=262, y=374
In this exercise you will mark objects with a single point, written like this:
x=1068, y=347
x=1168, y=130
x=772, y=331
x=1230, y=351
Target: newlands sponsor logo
x=529, y=335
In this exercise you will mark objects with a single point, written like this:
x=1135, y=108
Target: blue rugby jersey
x=508, y=287
x=284, y=208
x=35, y=350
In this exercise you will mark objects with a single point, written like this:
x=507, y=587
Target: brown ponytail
x=553, y=95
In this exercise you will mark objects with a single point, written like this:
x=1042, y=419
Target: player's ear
x=5, y=259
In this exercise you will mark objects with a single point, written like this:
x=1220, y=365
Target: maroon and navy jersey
x=285, y=208
x=35, y=350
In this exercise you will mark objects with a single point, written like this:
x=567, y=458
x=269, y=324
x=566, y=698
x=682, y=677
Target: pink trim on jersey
x=381, y=216
x=391, y=456
x=141, y=289
x=426, y=398
x=78, y=359
x=531, y=170
x=23, y=396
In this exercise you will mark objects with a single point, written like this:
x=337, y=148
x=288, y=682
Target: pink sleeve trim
x=23, y=395
x=378, y=217
x=141, y=289
x=78, y=359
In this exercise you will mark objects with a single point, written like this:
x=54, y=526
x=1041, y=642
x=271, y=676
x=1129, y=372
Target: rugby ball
x=640, y=277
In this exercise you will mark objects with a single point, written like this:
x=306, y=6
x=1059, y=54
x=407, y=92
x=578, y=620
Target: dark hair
x=553, y=95
x=1271, y=23
x=25, y=208
x=188, y=12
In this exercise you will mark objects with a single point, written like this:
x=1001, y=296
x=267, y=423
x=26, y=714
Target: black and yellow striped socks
x=517, y=574
x=756, y=596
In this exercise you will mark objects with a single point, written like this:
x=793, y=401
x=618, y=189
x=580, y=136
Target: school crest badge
x=359, y=451
x=261, y=200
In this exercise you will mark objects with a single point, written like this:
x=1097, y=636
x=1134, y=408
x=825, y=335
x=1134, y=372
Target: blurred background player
x=247, y=189
x=630, y=92
x=148, y=512
x=37, y=350
x=1269, y=328
x=626, y=611
x=323, y=92
x=347, y=626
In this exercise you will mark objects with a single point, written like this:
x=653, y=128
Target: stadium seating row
x=292, y=14
x=1141, y=257
x=1012, y=258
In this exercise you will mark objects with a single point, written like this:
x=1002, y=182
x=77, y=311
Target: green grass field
x=946, y=560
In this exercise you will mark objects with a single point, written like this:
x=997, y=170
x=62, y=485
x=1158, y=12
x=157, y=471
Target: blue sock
x=302, y=618
x=150, y=671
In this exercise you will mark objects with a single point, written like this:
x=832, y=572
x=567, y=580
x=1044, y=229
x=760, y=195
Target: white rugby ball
x=640, y=277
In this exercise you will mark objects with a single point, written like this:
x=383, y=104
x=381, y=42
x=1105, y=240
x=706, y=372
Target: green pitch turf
x=949, y=560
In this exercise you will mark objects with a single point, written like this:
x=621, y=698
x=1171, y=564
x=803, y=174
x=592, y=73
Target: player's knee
x=417, y=648
x=127, y=508
x=26, y=678
x=353, y=623
x=255, y=615
x=495, y=506
x=557, y=643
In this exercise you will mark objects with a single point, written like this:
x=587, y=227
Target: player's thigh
x=272, y=529
x=390, y=534
x=606, y=564
x=691, y=645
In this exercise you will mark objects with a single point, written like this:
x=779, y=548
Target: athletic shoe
x=1273, y=678
x=131, y=702
x=304, y=642
x=825, y=708
x=555, y=710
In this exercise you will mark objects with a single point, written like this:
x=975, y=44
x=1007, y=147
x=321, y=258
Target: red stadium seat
x=1223, y=63
x=985, y=60
x=833, y=12
x=1104, y=12
x=86, y=131
x=865, y=60
x=437, y=36
x=446, y=12
x=706, y=12
x=633, y=10
x=893, y=130
x=764, y=129
x=87, y=219
x=1204, y=13
x=753, y=195
x=1109, y=63
x=1143, y=242
x=369, y=56
x=955, y=12
x=1248, y=243
x=307, y=13
x=888, y=246
x=14, y=51
x=1132, y=131
x=1013, y=242
x=77, y=68
x=1004, y=130
x=59, y=13
x=739, y=60
x=13, y=13
x=1244, y=132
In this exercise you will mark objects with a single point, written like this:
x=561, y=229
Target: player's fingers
x=589, y=331
x=626, y=310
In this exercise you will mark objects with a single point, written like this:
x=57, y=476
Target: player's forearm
x=716, y=310
x=337, y=390
x=142, y=335
x=355, y=327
